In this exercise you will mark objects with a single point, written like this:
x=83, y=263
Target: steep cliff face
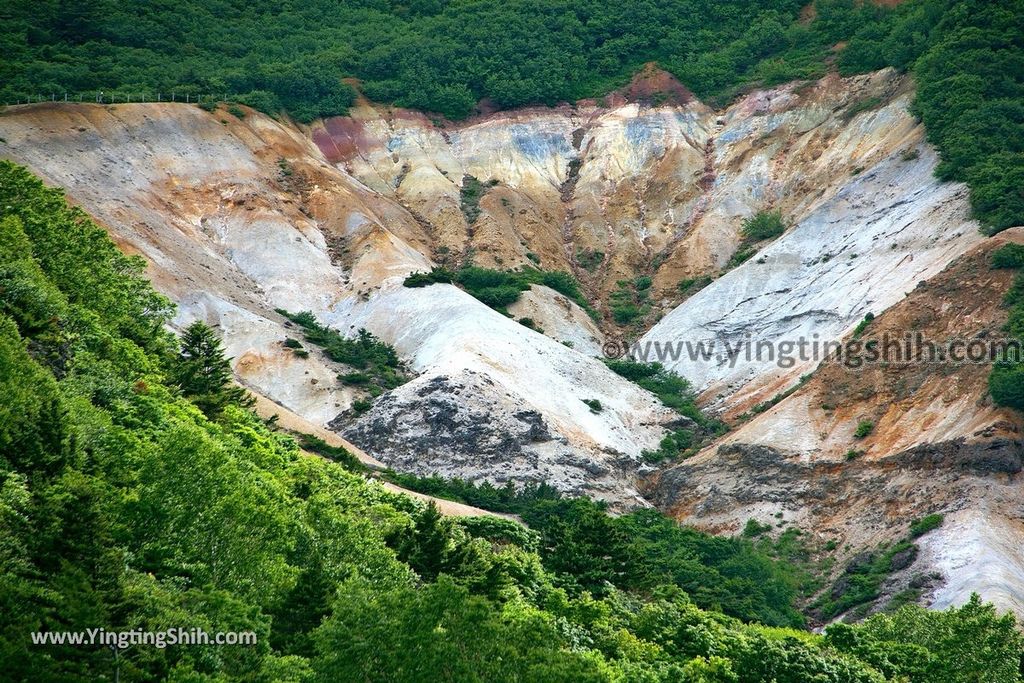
x=610, y=193
x=936, y=445
x=239, y=217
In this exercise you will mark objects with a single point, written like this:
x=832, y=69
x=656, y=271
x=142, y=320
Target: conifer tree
x=203, y=372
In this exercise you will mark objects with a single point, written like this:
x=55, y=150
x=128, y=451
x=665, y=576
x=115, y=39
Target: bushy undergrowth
x=1006, y=379
x=502, y=288
x=377, y=363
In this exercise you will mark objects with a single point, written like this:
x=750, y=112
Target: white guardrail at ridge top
x=115, y=97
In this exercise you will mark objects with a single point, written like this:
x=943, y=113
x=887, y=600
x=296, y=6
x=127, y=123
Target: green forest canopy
x=124, y=506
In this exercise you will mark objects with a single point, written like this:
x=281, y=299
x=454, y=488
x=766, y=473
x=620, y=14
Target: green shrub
x=594, y=405
x=763, y=225
x=863, y=324
x=1008, y=256
x=625, y=313
x=861, y=581
x=630, y=300
x=499, y=289
x=672, y=445
x=864, y=427
x=754, y=528
x=292, y=343
x=364, y=352
x=1006, y=384
x=436, y=274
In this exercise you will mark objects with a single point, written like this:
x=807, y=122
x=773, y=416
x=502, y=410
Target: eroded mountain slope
x=240, y=217
x=936, y=445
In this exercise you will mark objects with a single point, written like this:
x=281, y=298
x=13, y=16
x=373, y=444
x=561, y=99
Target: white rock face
x=977, y=552
x=856, y=252
x=560, y=319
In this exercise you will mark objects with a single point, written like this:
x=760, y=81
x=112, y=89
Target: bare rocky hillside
x=239, y=217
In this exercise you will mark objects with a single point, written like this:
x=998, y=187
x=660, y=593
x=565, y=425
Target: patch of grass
x=470, y=195
x=741, y=255
x=753, y=528
x=922, y=526
x=693, y=285
x=589, y=259
x=630, y=301
x=781, y=396
x=284, y=168
x=853, y=454
x=594, y=405
x=861, y=105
